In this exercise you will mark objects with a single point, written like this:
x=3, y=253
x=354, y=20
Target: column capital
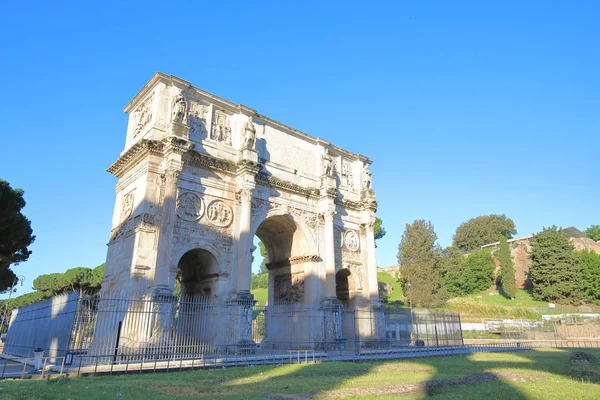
x=170, y=176
x=244, y=194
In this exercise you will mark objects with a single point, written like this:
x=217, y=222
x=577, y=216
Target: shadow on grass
x=516, y=375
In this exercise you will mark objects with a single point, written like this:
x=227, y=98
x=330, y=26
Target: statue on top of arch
x=249, y=135
x=180, y=108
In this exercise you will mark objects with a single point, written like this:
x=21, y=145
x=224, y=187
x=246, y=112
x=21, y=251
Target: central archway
x=286, y=247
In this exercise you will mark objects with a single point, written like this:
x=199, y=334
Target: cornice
x=159, y=77
x=294, y=260
x=143, y=147
x=271, y=181
x=205, y=161
x=129, y=226
x=354, y=205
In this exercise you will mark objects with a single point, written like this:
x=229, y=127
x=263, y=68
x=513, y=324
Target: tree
x=79, y=278
x=479, y=270
x=452, y=270
x=593, y=232
x=507, y=269
x=265, y=258
x=378, y=228
x=589, y=263
x=482, y=230
x=15, y=233
x=555, y=273
x=419, y=265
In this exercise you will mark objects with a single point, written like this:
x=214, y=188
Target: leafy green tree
x=265, y=258
x=452, y=270
x=479, y=270
x=507, y=269
x=378, y=228
x=260, y=281
x=593, y=232
x=79, y=278
x=476, y=232
x=419, y=265
x=15, y=233
x=589, y=263
x=555, y=273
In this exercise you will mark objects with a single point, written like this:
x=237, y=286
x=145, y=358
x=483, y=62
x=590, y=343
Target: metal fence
x=109, y=332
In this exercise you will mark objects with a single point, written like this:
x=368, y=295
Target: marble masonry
x=200, y=176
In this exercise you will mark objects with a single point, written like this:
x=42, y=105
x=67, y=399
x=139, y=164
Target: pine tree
x=555, y=273
x=507, y=269
x=418, y=257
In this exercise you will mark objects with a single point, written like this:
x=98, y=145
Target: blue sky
x=465, y=108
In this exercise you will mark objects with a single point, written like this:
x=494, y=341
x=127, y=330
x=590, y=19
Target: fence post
x=324, y=329
x=462, y=339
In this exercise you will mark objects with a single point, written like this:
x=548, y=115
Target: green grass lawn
x=261, y=295
x=396, y=297
x=531, y=374
x=522, y=299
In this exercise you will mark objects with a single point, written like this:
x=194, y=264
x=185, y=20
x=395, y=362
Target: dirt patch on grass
x=427, y=387
x=401, y=367
x=181, y=390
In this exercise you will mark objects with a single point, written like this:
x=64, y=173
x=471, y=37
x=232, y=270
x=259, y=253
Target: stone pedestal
x=241, y=323
x=334, y=337
x=249, y=155
x=179, y=130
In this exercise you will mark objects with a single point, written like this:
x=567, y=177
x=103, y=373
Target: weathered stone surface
x=200, y=176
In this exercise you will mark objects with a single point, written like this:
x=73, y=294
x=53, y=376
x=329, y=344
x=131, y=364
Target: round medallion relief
x=190, y=206
x=351, y=240
x=219, y=213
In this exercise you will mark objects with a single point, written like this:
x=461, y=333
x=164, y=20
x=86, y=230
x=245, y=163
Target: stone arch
x=199, y=272
x=184, y=246
x=288, y=251
x=345, y=285
x=309, y=235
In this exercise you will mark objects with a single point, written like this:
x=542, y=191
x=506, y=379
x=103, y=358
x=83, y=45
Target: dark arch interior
x=277, y=233
x=198, y=273
x=344, y=285
x=283, y=240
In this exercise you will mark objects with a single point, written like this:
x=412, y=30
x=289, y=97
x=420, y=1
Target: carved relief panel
x=197, y=121
x=289, y=288
x=127, y=207
x=347, y=177
x=190, y=206
x=142, y=116
x=219, y=213
x=221, y=129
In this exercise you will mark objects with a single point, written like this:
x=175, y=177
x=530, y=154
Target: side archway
x=198, y=272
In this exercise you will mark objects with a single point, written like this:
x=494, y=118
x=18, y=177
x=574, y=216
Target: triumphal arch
x=200, y=177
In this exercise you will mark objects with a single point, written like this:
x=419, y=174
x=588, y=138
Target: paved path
x=12, y=369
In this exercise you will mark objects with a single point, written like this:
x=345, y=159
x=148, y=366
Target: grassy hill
x=397, y=296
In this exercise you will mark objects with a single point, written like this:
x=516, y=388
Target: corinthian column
x=167, y=225
x=371, y=260
x=329, y=255
x=245, y=243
